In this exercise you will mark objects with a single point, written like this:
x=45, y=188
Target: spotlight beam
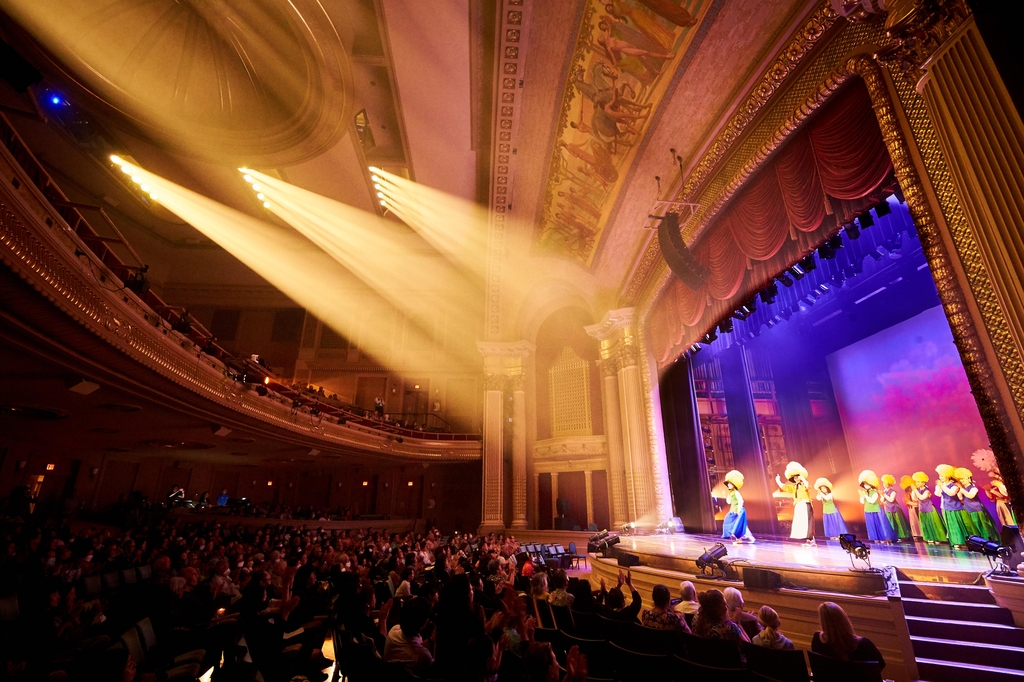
x=294, y=265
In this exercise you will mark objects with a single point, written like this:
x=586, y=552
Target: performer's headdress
x=944, y=471
x=868, y=476
x=888, y=479
x=823, y=483
x=920, y=477
x=906, y=482
x=734, y=477
x=795, y=469
x=963, y=474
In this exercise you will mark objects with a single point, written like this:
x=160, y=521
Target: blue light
x=55, y=99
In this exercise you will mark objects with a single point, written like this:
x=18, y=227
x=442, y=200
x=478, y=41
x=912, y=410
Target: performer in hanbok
x=834, y=523
x=879, y=528
x=932, y=528
x=893, y=510
x=803, y=514
x=997, y=493
x=959, y=525
x=735, y=525
x=974, y=506
x=913, y=513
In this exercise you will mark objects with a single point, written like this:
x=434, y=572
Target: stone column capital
x=918, y=30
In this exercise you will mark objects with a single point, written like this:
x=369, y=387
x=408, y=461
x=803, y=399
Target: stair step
x=970, y=613
x=986, y=633
x=946, y=671
x=948, y=592
x=972, y=653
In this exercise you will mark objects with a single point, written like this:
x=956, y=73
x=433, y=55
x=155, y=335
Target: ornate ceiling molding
x=613, y=321
x=262, y=82
x=510, y=65
x=784, y=66
x=512, y=349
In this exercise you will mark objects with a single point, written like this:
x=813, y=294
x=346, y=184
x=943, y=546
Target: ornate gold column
x=516, y=382
x=554, y=496
x=981, y=136
x=503, y=371
x=620, y=347
x=588, y=477
x=619, y=500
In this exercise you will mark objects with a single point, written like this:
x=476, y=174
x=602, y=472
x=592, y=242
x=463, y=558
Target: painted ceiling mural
x=626, y=54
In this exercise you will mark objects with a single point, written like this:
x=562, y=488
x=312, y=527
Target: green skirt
x=931, y=527
x=985, y=525
x=898, y=521
x=959, y=525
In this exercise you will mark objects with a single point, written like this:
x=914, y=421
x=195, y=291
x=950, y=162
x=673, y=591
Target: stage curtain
x=832, y=169
x=758, y=223
x=851, y=156
x=800, y=185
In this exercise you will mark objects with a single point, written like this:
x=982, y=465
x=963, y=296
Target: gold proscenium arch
x=267, y=81
x=992, y=406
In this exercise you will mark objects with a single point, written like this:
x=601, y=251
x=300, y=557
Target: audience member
x=559, y=594
x=687, y=598
x=838, y=639
x=404, y=644
x=747, y=621
x=712, y=621
x=661, y=616
x=770, y=637
x=612, y=603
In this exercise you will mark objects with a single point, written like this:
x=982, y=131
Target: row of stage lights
x=129, y=170
x=256, y=187
x=378, y=185
x=795, y=273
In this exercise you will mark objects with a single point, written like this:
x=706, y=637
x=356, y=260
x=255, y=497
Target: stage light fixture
x=726, y=326
x=712, y=559
x=991, y=551
x=341, y=421
x=598, y=537
x=807, y=263
x=797, y=271
x=882, y=208
x=836, y=241
x=694, y=349
x=769, y=293
x=710, y=336
x=856, y=549
x=786, y=280
x=261, y=390
x=852, y=231
x=866, y=220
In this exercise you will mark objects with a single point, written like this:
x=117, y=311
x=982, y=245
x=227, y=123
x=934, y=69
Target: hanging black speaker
x=677, y=255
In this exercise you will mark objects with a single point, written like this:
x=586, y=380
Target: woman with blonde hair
x=771, y=637
x=837, y=638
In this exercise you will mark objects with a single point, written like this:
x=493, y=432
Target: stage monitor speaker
x=627, y=559
x=563, y=506
x=761, y=579
x=678, y=257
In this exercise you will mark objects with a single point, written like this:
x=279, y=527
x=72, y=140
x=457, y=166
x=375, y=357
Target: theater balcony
x=69, y=300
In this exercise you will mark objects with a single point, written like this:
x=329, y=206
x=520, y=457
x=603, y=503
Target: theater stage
x=825, y=567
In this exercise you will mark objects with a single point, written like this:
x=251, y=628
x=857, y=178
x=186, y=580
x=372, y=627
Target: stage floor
x=828, y=555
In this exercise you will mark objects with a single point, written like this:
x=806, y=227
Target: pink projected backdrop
x=905, y=403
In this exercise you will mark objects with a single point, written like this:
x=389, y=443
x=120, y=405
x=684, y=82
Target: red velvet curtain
x=832, y=169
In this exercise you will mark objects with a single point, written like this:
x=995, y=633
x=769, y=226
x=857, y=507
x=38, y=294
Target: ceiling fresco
x=626, y=54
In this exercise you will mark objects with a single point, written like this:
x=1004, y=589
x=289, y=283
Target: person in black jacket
x=612, y=603
x=837, y=638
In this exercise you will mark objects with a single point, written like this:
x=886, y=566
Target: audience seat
x=720, y=653
x=836, y=670
x=618, y=631
x=111, y=580
x=563, y=618
x=783, y=666
x=632, y=665
x=596, y=650
x=587, y=624
x=145, y=573
x=9, y=609
x=178, y=673
x=92, y=585
x=688, y=671
x=651, y=641
x=156, y=654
